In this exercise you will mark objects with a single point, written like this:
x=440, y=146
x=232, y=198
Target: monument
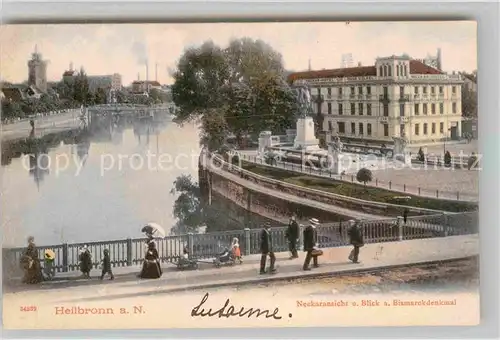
x=305, y=138
x=400, y=152
x=335, y=155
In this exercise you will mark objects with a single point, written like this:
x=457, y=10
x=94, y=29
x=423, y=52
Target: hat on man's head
x=314, y=221
x=267, y=225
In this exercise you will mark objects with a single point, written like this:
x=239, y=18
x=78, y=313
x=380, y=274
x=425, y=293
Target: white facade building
x=375, y=103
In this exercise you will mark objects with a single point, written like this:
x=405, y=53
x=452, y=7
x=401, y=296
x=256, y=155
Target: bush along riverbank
x=359, y=191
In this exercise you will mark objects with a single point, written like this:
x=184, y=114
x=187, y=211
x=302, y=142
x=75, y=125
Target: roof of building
x=151, y=82
x=70, y=73
x=416, y=67
x=13, y=93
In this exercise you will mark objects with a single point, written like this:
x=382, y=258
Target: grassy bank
x=357, y=190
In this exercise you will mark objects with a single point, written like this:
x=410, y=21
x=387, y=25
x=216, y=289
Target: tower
x=37, y=71
x=309, y=66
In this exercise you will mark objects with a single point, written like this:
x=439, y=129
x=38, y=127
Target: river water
x=97, y=189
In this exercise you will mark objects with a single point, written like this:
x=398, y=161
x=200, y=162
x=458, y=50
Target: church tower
x=37, y=71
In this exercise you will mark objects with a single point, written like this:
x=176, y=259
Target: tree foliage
x=364, y=176
x=242, y=86
x=187, y=207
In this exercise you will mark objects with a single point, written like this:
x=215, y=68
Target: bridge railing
x=129, y=252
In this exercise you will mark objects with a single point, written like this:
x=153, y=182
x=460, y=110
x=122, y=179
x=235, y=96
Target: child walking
x=236, y=250
x=106, y=265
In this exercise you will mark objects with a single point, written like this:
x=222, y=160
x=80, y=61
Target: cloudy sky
x=120, y=48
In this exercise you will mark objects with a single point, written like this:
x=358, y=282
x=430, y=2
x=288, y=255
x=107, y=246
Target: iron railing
x=129, y=252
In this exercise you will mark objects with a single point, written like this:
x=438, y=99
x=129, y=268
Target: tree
x=469, y=103
x=243, y=85
x=214, y=132
x=364, y=175
x=187, y=207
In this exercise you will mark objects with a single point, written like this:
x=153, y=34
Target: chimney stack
x=138, y=76
x=359, y=64
x=147, y=76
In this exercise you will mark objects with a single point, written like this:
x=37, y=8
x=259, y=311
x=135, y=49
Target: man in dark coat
x=106, y=266
x=405, y=214
x=310, y=243
x=266, y=248
x=292, y=234
x=356, y=239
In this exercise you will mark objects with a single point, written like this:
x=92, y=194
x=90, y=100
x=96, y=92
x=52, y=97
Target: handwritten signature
x=228, y=310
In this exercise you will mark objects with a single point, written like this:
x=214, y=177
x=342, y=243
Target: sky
x=123, y=48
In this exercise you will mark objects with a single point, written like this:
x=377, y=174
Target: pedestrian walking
x=266, y=249
x=292, y=235
x=405, y=214
x=85, y=261
x=356, y=239
x=106, y=265
x=310, y=237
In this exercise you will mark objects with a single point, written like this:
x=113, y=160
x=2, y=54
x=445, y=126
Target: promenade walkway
x=373, y=257
x=444, y=183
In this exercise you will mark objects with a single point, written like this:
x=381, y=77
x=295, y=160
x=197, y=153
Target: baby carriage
x=185, y=262
x=224, y=258
x=49, y=271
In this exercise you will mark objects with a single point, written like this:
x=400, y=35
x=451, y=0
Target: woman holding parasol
x=151, y=268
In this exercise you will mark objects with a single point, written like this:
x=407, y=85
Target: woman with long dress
x=30, y=262
x=151, y=268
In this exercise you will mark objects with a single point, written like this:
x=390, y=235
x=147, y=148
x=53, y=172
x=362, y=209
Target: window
x=401, y=91
x=441, y=108
x=454, y=89
x=352, y=90
x=386, y=110
x=340, y=92
x=454, y=107
x=386, y=92
x=341, y=109
x=424, y=89
x=360, y=108
x=368, y=90
x=424, y=108
x=401, y=110
x=433, y=90
x=417, y=106
x=381, y=71
x=341, y=127
x=353, y=108
x=329, y=91
x=361, y=128
x=386, y=130
x=416, y=89
x=390, y=71
x=369, y=109
x=369, y=129
x=425, y=128
x=433, y=128
x=433, y=108
x=330, y=127
x=353, y=128
x=441, y=127
x=401, y=129
x=360, y=90
x=329, y=108
x=441, y=90
x=397, y=70
x=417, y=129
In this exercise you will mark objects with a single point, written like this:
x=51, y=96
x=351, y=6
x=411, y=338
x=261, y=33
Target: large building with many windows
x=396, y=96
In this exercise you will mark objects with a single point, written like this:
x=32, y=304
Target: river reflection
x=102, y=187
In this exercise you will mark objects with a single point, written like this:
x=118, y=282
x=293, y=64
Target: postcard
x=239, y=175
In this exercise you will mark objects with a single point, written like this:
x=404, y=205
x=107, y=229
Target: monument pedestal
x=264, y=142
x=334, y=157
x=305, y=138
x=400, y=153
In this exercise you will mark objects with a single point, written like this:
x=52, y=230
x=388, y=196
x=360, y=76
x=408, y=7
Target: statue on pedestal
x=337, y=145
x=304, y=100
x=400, y=151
